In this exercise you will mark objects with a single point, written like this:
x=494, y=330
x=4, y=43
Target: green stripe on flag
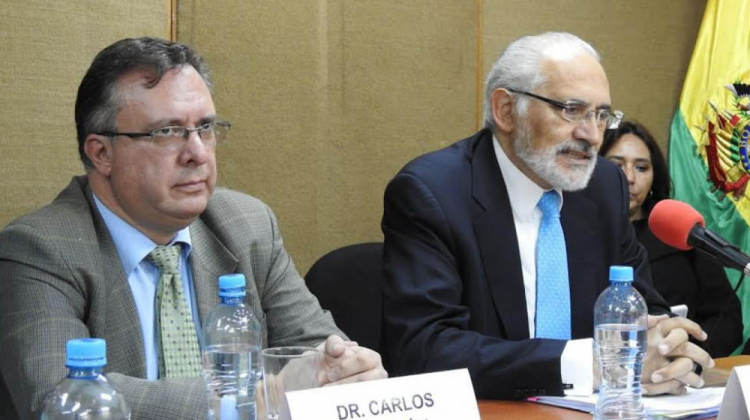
x=691, y=184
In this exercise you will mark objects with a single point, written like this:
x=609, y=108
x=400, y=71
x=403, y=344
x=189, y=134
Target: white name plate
x=445, y=395
x=737, y=395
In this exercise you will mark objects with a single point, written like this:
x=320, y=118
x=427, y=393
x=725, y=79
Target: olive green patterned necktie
x=180, y=354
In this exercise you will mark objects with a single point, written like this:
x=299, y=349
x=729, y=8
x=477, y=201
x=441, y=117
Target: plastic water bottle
x=231, y=354
x=620, y=339
x=85, y=392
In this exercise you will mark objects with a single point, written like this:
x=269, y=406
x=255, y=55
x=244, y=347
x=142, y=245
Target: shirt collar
x=524, y=194
x=132, y=245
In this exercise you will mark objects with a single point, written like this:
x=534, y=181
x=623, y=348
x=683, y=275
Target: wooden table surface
x=522, y=410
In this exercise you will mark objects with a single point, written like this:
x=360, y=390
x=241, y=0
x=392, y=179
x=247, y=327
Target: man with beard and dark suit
x=90, y=263
x=497, y=247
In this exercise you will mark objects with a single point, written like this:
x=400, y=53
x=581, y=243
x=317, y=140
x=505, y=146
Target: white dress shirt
x=576, y=362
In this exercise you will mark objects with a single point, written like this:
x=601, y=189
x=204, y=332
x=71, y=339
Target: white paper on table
x=695, y=401
x=734, y=406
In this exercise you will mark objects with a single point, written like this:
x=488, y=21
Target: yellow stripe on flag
x=721, y=56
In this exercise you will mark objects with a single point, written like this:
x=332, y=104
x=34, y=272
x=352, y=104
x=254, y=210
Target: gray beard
x=544, y=162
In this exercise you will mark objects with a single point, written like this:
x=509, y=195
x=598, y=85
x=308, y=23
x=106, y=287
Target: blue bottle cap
x=621, y=273
x=232, y=285
x=86, y=352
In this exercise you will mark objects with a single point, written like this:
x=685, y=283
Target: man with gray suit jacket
x=83, y=265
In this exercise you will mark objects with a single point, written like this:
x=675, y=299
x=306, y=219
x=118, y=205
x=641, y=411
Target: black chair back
x=349, y=282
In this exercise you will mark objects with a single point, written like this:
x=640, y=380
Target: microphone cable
x=724, y=309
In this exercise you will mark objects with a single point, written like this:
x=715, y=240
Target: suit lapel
x=209, y=259
x=497, y=241
x=124, y=339
x=580, y=223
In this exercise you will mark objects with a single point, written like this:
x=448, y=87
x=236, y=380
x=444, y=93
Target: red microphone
x=679, y=225
x=671, y=222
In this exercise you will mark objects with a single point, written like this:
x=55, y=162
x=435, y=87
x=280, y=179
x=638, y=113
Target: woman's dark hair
x=97, y=102
x=661, y=187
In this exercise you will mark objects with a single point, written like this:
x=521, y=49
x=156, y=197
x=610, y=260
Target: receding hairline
x=548, y=62
x=150, y=78
x=146, y=78
x=554, y=52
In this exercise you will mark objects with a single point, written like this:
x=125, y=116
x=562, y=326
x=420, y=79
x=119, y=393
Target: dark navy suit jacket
x=454, y=292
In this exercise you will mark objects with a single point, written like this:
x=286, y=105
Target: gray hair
x=520, y=66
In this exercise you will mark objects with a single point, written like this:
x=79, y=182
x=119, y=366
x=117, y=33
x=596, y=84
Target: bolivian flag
x=708, y=148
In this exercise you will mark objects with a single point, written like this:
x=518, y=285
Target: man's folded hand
x=668, y=366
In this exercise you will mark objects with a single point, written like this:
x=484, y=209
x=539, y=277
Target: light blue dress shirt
x=132, y=248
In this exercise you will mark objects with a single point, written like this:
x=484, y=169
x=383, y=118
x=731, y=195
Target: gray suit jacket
x=61, y=278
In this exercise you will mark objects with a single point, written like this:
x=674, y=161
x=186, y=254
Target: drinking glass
x=288, y=369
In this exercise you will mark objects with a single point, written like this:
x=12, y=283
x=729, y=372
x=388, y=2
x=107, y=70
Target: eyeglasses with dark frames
x=575, y=112
x=210, y=133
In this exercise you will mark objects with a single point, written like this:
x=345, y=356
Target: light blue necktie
x=552, y=288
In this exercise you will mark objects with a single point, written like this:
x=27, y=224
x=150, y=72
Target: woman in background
x=690, y=277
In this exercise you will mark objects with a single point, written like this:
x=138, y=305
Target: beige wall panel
x=408, y=86
x=46, y=47
x=329, y=99
x=645, y=45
